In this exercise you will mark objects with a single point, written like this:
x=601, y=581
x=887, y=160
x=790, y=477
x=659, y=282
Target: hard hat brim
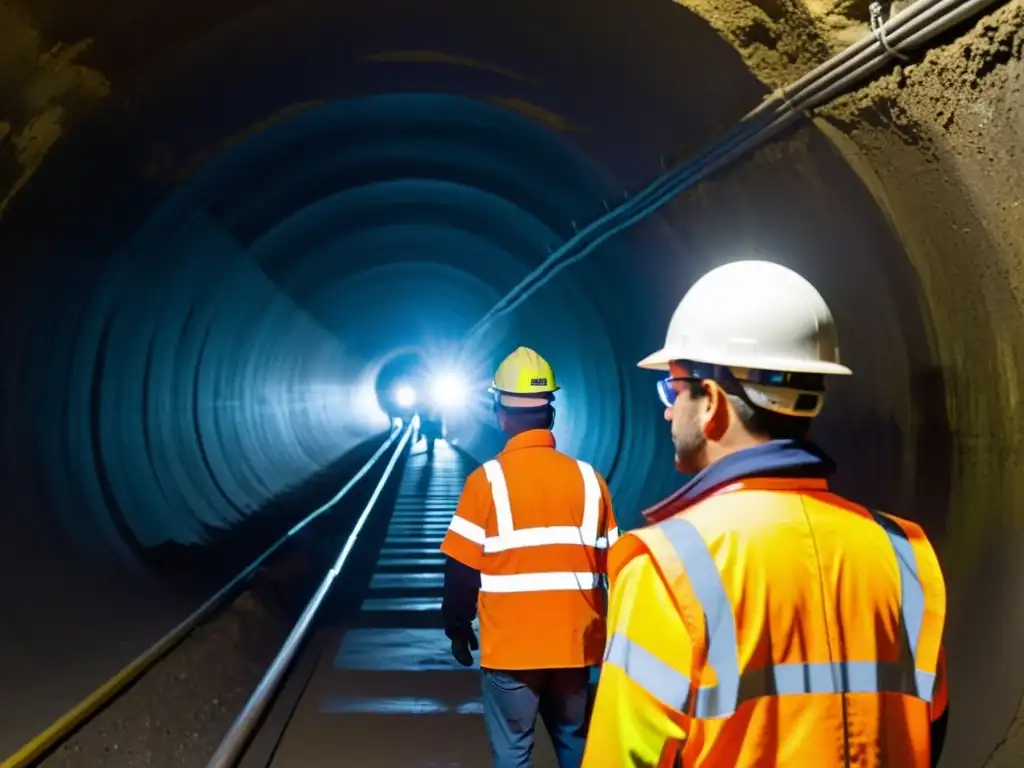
x=659, y=361
x=656, y=361
x=536, y=393
x=525, y=401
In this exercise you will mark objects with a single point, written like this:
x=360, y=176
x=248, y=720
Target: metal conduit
x=911, y=28
x=237, y=737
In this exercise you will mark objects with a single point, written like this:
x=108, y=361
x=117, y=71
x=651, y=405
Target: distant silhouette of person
x=431, y=427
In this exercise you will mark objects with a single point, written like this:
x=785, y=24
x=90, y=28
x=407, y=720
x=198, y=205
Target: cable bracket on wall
x=783, y=94
x=878, y=30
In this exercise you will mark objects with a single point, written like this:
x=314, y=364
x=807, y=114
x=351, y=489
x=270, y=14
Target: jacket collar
x=531, y=438
x=774, y=459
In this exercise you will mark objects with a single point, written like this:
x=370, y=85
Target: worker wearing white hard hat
x=760, y=619
x=527, y=548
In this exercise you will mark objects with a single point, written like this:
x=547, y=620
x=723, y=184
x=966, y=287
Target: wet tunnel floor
x=385, y=690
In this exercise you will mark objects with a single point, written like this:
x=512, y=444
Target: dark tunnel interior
x=253, y=219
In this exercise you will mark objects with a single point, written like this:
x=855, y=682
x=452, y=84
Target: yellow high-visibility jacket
x=772, y=623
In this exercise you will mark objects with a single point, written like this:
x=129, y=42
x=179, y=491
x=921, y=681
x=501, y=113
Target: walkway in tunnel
x=386, y=691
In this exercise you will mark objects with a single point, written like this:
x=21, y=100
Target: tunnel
x=220, y=221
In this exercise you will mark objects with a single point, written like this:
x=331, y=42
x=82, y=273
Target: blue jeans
x=512, y=701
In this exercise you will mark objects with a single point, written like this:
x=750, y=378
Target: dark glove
x=463, y=643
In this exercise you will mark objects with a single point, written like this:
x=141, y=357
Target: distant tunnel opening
x=399, y=384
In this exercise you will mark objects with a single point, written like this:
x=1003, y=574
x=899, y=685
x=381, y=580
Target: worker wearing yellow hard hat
x=761, y=620
x=524, y=379
x=527, y=545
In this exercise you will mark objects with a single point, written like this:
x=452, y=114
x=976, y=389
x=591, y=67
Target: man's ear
x=715, y=413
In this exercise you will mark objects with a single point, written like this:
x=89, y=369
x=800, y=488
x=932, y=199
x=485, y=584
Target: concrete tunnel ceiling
x=218, y=219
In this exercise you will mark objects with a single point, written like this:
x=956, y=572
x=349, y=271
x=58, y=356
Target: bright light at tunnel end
x=449, y=391
x=405, y=396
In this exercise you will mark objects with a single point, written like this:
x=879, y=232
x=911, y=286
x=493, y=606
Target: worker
x=760, y=619
x=528, y=543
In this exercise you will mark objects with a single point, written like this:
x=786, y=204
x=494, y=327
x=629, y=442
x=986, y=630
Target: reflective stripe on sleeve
x=613, y=535
x=673, y=689
x=667, y=685
x=556, y=581
x=467, y=530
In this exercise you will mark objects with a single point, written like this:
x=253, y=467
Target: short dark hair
x=760, y=421
x=524, y=419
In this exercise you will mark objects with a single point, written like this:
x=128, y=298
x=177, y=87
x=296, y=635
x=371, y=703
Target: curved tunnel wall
x=249, y=203
x=408, y=217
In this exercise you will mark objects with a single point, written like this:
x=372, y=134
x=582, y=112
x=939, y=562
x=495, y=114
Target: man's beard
x=689, y=442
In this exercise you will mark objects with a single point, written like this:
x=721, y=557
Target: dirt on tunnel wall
x=44, y=91
x=939, y=144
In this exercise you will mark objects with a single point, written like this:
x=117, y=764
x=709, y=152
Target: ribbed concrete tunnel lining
x=232, y=198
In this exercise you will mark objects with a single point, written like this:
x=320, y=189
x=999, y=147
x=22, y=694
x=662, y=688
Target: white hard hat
x=753, y=315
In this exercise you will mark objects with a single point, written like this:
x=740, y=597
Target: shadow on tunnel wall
x=908, y=475
x=200, y=569
x=933, y=451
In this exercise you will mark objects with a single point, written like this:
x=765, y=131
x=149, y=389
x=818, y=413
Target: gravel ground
x=176, y=714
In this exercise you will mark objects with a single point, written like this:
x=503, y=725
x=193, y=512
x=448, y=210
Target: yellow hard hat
x=524, y=372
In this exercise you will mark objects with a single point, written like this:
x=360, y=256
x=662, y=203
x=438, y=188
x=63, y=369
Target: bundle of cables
x=888, y=40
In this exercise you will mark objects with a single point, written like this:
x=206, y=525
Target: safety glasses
x=668, y=388
x=667, y=391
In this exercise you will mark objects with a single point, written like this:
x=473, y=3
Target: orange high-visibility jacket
x=536, y=524
x=772, y=623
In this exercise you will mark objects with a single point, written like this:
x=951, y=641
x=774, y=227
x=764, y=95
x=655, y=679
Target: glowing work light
x=448, y=392
x=405, y=396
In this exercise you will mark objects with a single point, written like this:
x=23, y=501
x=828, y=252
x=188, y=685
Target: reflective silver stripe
x=557, y=581
x=832, y=677
x=672, y=688
x=722, y=648
x=591, y=523
x=468, y=530
x=538, y=537
x=509, y=537
x=911, y=599
x=499, y=492
x=721, y=700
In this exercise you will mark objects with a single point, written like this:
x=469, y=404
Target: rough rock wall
x=43, y=90
x=939, y=142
